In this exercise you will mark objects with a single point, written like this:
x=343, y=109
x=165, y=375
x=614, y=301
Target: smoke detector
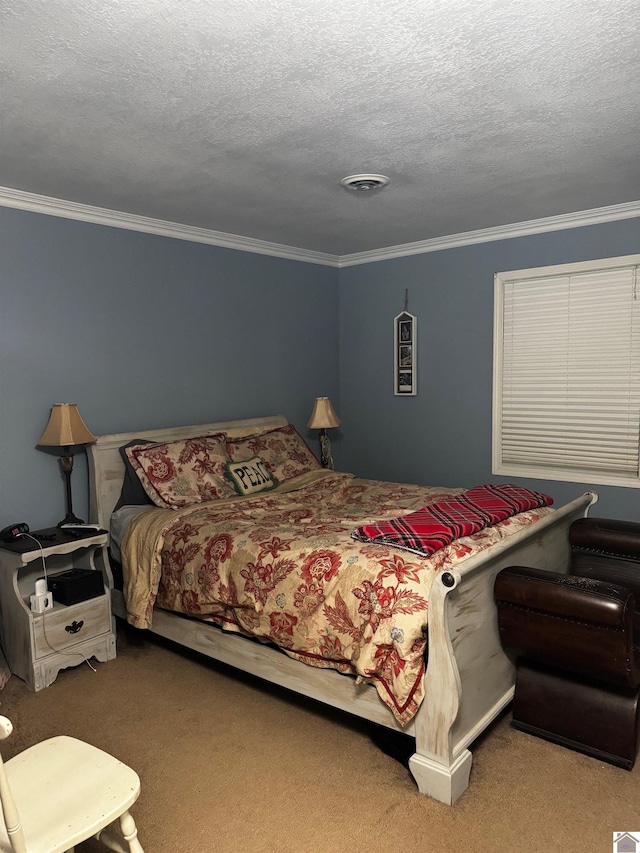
x=364, y=183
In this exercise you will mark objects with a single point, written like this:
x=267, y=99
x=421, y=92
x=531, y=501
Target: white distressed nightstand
x=38, y=645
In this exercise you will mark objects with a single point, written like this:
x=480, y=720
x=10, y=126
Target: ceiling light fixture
x=364, y=183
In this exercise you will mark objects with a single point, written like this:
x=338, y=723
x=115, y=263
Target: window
x=566, y=383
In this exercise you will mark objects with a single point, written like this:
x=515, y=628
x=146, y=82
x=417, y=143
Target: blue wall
x=144, y=331
x=443, y=435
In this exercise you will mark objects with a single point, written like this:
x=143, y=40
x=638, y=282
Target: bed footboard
x=469, y=678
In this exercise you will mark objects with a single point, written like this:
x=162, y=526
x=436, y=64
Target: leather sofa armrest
x=607, y=549
x=582, y=625
x=608, y=536
x=566, y=596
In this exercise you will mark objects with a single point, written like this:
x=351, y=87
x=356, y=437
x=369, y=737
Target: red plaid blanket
x=431, y=528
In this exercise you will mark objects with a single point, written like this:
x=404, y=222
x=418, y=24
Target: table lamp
x=66, y=430
x=323, y=417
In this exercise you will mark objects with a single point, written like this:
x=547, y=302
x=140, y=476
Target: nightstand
x=38, y=645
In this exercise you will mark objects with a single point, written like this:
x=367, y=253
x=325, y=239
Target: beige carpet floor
x=231, y=764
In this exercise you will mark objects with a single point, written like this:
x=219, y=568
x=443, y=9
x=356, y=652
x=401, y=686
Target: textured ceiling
x=242, y=116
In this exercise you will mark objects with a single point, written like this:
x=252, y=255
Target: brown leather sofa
x=576, y=639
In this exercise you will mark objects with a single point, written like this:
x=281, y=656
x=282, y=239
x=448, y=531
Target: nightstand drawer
x=64, y=627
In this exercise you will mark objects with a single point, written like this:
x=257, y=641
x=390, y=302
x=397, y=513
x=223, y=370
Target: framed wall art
x=405, y=343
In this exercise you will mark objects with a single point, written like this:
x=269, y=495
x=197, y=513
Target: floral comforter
x=283, y=567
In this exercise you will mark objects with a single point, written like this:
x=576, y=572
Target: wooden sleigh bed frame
x=468, y=680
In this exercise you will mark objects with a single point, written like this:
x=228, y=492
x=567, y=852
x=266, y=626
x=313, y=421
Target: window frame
x=554, y=472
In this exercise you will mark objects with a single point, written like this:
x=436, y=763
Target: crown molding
x=22, y=200
x=596, y=216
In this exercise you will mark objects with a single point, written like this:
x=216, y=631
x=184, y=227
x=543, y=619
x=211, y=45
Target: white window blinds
x=567, y=372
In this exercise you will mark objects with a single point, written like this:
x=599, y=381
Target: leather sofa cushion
x=583, y=599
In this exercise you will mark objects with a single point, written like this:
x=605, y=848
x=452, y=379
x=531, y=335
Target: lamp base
x=66, y=463
x=326, y=459
x=70, y=518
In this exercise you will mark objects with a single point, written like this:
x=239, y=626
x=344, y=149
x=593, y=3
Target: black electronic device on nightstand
x=76, y=585
x=14, y=532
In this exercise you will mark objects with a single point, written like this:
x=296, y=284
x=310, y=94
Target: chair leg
x=109, y=839
x=128, y=843
x=130, y=833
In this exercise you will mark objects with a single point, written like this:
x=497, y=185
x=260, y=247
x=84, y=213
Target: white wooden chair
x=63, y=791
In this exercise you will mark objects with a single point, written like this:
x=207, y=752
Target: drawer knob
x=74, y=627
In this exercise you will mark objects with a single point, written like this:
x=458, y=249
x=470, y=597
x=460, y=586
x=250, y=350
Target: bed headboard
x=106, y=467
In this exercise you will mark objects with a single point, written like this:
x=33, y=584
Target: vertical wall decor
x=405, y=354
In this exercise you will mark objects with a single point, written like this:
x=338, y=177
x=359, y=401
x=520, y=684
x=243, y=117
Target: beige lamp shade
x=323, y=416
x=65, y=427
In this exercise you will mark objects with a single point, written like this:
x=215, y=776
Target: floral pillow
x=283, y=450
x=184, y=472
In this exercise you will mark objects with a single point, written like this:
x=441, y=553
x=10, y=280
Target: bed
x=462, y=677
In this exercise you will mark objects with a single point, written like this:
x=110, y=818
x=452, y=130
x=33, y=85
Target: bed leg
x=438, y=771
x=443, y=783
